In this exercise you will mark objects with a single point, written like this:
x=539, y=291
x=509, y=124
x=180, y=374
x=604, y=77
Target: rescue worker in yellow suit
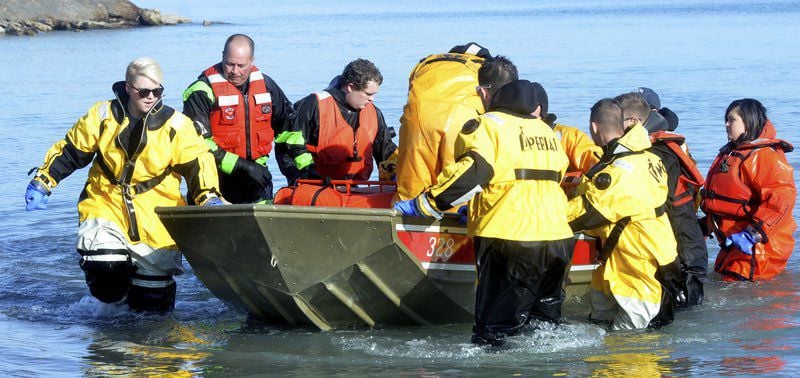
x=139, y=148
x=624, y=207
x=509, y=169
x=683, y=182
x=441, y=98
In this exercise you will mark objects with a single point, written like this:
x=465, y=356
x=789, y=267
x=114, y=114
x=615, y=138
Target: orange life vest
x=241, y=125
x=339, y=193
x=691, y=179
x=341, y=152
x=725, y=193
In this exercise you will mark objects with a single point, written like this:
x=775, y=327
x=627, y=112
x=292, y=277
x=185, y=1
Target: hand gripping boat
x=338, y=267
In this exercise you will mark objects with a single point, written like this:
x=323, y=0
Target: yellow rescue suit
x=624, y=207
x=509, y=168
x=441, y=98
x=583, y=154
x=167, y=151
x=137, y=164
x=522, y=200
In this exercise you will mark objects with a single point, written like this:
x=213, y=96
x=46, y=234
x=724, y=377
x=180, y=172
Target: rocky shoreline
x=29, y=17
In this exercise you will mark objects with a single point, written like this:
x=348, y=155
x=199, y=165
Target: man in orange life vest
x=342, y=128
x=240, y=112
x=683, y=183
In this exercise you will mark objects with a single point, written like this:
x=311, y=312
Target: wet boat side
x=331, y=267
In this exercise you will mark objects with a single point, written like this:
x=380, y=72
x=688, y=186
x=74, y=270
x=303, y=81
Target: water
x=698, y=55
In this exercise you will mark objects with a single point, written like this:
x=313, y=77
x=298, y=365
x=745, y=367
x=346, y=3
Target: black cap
x=650, y=96
x=473, y=49
x=520, y=96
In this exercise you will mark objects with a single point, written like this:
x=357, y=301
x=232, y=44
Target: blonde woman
x=138, y=149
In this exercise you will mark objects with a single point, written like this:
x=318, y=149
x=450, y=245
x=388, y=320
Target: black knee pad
x=152, y=293
x=108, y=273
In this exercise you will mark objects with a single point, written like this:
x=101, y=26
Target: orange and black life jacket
x=241, y=125
x=690, y=179
x=341, y=152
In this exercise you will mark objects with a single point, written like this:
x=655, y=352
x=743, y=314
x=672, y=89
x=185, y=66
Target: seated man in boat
x=441, y=98
x=240, y=111
x=509, y=169
x=624, y=206
x=684, y=181
x=139, y=149
x=343, y=129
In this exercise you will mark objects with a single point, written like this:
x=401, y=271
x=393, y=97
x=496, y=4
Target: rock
x=41, y=26
x=150, y=17
x=169, y=19
x=209, y=23
x=47, y=21
x=15, y=28
x=28, y=17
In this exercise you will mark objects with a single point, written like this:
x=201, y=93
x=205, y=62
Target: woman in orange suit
x=749, y=196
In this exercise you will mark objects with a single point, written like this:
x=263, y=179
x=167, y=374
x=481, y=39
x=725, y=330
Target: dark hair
x=754, y=116
x=497, y=72
x=359, y=72
x=607, y=113
x=237, y=37
x=633, y=105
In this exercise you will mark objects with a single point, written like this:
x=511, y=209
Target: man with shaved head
x=624, y=207
x=240, y=111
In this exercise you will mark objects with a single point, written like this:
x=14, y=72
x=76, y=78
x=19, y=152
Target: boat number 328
x=441, y=247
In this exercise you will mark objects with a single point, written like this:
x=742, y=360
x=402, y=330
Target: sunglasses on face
x=144, y=93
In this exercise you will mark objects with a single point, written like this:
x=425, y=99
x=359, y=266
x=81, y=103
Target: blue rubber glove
x=36, y=196
x=463, y=211
x=743, y=240
x=408, y=208
x=214, y=201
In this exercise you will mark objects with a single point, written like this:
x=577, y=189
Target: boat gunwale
x=262, y=208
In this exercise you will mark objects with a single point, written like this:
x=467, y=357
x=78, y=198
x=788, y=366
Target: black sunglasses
x=144, y=93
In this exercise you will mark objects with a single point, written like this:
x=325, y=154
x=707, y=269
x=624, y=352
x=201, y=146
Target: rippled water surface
x=699, y=55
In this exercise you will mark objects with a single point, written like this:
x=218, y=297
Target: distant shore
x=30, y=17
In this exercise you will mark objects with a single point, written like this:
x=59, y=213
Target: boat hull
x=336, y=267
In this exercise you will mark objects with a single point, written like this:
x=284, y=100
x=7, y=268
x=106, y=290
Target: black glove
x=257, y=172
